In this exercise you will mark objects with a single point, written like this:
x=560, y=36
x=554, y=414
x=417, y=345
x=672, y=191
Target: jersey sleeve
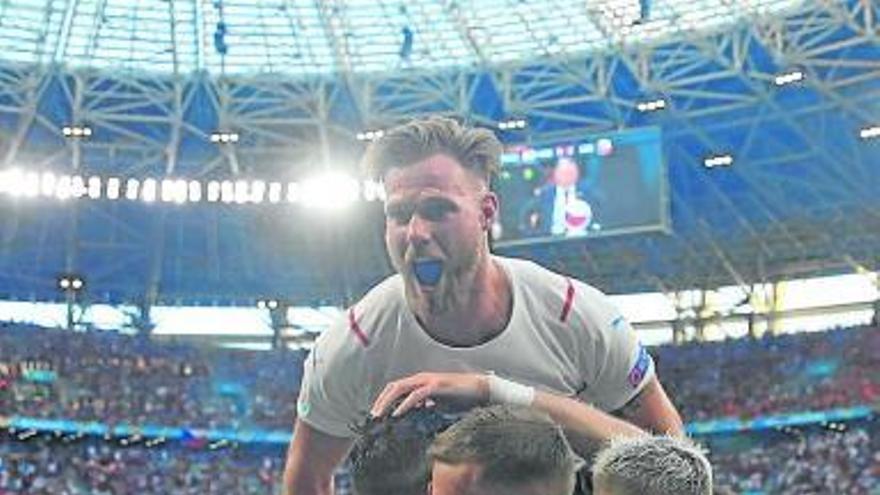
x=330, y=399
x=618, y=365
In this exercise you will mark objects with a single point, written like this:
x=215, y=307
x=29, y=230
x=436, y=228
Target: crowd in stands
x=747, y=378
x=42, y=466
x=113, y=378
x=116, y=378
x=802, y=462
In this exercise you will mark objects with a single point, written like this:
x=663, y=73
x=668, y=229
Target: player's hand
x=418, y=390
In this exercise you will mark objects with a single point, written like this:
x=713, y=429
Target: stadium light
x=871, y=132
x=94, y=187
x=131, y=189
x=227, y=191
x=242, y=192
x=718, y=161
x=195, y=191
x=258, y=191
x=651, y=106
x=274, y=192
x=63, y=189
x=180, y=191
x=71, y=282
x=330, y=191
x=512, y=124
x=48, y=183
x=373, y=191
x=114, y=185
x=76, y=131
x=148, y=190
x=77, y=187
x=790, y=77
x=293, y=192
x=167, y=190
x=213, y=191
x=224, y=137
x=370, y=135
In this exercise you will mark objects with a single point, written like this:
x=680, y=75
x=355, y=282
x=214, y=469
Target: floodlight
x=258, y=191
x=242, y=193
x=293, y=192
x=788, y=77
x=227, y=191
x=871, y=132
x=77, y=186
x=213, y=191
x=131, y=189
x=179, y=191
x=195, y=191
x=148, y=190
x=330, y=191
x=718, y=161
x=113, y=187
x=274, y=192
x=652, y=105
x=167, y=190
x=94, y=189
x=64, y=187
x=48, y=184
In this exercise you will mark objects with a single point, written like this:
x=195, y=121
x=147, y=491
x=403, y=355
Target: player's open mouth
x=428, y=271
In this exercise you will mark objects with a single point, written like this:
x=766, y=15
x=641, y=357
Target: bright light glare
x=48, y=184
x=77, y=187
x=114, y=185
x=330, y=191
x=63, y=190
x=94, y=187
x=213, y=191
x=258, y=191
x=195, y=191
x=242, y=195
x=131, y=189
x=148, y=190
x=274, y=192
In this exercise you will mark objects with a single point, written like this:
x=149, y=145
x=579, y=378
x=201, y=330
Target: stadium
x=183, y=213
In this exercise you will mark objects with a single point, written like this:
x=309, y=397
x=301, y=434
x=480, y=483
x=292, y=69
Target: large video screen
x=597, y=186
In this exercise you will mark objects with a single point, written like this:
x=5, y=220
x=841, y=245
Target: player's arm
x=585, y=425
x=652, y=410
x=311, y=460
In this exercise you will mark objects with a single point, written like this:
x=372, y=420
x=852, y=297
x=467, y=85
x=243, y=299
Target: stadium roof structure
x=297, y=81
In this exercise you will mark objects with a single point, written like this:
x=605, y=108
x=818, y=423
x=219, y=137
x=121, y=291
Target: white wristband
x=503, y=391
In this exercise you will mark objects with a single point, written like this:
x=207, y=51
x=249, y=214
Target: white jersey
x=563, y=336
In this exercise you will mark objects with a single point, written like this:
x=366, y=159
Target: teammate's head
x=439, y=209
x=658, y=465
x=389, y=455
x=502, y=449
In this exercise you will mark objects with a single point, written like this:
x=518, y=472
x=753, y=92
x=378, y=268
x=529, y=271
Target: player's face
x=436, y=217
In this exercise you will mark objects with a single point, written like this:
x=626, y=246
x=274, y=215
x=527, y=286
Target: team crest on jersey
x=302, y=404
x=638, y=371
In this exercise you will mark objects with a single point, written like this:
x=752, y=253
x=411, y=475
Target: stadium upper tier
x=366, y=36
